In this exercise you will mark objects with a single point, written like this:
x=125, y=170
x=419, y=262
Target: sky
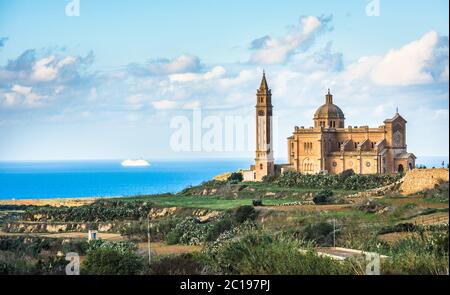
x=167, y=79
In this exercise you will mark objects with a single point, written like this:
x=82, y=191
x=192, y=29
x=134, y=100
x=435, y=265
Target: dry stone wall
x=419, y=180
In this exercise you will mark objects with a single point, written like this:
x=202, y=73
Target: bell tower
x=264, y=163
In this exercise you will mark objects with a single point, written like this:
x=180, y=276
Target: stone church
x=329, y=146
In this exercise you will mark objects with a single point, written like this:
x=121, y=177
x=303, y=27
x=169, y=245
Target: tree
x=236, y=177
x=107, y=261
x=323, y=197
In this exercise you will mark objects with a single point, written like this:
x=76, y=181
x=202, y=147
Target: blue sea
x=39, y=180
x=69, y=179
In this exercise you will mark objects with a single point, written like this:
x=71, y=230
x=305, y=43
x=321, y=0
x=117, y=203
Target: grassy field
x=269, y=187
x=204, y=202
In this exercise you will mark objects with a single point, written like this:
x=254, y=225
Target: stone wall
x=419, y=180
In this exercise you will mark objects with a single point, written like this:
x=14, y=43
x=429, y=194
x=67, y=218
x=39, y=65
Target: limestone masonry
x=329, y=146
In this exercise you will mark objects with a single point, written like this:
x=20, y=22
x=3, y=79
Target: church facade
x=328, y=146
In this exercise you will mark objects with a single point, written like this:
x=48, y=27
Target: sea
x=77, y=179
x=74, y=179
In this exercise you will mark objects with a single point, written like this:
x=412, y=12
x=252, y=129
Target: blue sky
x=108, y=83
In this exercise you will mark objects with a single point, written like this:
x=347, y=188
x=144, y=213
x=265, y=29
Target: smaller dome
x=329, y=110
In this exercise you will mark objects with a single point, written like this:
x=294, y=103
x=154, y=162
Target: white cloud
x=271, y=50
x=22, y=95
x=135, y=99
x=10, y=99
x=165, y=104
x=405, y=66
x=177, y=65
x=42, y=71
x=21, y=89
x=180, y=64
x=216, y=72
x=412, y=64
x=47, y=69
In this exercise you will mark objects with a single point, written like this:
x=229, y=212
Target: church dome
x=329, y=110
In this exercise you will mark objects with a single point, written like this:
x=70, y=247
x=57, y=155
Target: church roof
x=405, y=155
x=397, y=116
x=264, y=85
x=329, y=110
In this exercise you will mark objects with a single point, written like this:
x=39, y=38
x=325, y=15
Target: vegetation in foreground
x=239, y=238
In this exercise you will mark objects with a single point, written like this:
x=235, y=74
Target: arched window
x=260, y=166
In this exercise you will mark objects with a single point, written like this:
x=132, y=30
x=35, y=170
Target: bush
x=269, y=178
x=107, y=261
x=320, y=233
x=236, y=177
x=184, y=264
x=158, y=230
x=189, y=232
x=323, y=197
x=257, y=203
x=218, y=227
x=122, y=246
x=346, y=181
x=101, y=210
x=10, y=264
x=419, y=256
x=262, y=254
x=346, y=174
x=244, y=213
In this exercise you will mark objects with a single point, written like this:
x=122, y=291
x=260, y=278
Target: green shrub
x=122, y=246
x=269, y=178
x=348, y=181
x=108, y=261
x=189, y=232
x=101, y=210
x=184, y=264
x=346, y=174
x=262, y=254
x=33, y=247
x=320, y=233
x=419, y=256
x=236, y=177
x=12, y=264
x=244, y=213
x=159, y=229
x=257, y=203
x=218, y=227
x=323, y=197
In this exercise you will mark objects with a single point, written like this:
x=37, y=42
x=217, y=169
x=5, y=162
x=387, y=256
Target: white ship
x=135, y=163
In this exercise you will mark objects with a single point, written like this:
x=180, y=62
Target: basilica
x=329, y=146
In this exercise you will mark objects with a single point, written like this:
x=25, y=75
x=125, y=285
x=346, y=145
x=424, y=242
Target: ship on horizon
x=135, y=163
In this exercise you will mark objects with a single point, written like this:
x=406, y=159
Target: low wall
x=418, y=180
